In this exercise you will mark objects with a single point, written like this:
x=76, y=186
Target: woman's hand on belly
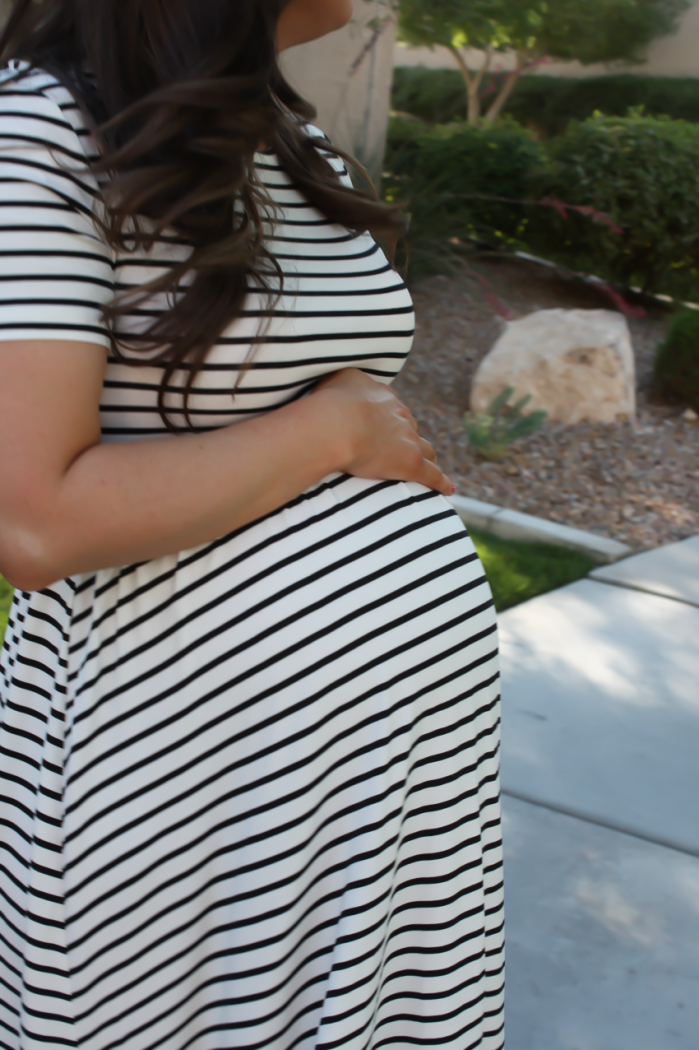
x=382, y=436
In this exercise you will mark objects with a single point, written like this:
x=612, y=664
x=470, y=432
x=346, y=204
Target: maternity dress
x=248, y=792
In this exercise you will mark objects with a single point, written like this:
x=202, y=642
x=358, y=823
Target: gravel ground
x=638, y=484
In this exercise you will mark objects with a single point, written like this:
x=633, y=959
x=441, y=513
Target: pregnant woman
x=249, y=714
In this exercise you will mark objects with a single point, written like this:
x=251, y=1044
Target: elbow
x=25, y=561
x=27, y=580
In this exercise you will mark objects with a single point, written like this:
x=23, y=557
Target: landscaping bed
x=638, y=484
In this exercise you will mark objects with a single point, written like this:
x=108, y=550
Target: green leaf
x=492, y=433
x=499, y=402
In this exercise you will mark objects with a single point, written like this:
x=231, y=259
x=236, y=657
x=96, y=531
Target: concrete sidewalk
x=600, y=773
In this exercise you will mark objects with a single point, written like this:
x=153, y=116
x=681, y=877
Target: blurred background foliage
x=641, y=171
x=677, y=362
x=449, y=176
x=6, y=593
x=598, y=174
x=546, y=104
x=632, y=177
x=531, y=32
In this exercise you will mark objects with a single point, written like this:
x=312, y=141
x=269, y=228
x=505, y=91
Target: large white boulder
x=577, y=365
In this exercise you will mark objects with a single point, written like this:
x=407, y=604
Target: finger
x=428, y=451
x=405, y=412
x=433, y=478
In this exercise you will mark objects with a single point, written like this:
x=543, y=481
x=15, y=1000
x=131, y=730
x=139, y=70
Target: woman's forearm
x=71, y=504
x=123, y=503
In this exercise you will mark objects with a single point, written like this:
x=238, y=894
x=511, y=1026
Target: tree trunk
x=506, y=90
x=474, y=105
x=473, y=81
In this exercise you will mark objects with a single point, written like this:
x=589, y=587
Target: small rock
x=690, y=415
x=576, y=364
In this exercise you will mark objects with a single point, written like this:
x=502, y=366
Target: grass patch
x=518, y=571
x=6, y=593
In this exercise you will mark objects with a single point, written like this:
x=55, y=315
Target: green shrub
x=442, y=174
x=637, y=173
x=548, y=104
x=677, y=361
x=641, y=171
x=437, y=96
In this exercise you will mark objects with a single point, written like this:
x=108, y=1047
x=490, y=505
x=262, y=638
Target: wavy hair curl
x=182, y=94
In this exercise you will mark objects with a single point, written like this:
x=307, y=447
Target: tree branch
x=507, y=88
x=473, y=81
x=461, y=62
x=487, y=59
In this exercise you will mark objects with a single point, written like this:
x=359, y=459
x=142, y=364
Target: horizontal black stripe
x=81, y=303
x=73, y=279
x=49, y=170
x=43, y=118
x=281, y=314
x=339, y=292
x=58, y=205
x=62, y=253
x=42, y=327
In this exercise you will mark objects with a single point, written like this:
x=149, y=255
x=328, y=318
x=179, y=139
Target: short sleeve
x=332, y=158
x=56, y=271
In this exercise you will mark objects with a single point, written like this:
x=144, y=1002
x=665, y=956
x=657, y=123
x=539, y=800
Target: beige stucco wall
x=675, y=56
x=352, y=105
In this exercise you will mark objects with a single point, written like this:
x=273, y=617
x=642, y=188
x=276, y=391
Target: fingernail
x=453, y=489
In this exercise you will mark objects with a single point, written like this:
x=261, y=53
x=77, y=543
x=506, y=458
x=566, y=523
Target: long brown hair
x=181, y=95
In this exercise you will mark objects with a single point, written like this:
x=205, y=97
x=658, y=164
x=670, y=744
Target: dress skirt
x=249, y=793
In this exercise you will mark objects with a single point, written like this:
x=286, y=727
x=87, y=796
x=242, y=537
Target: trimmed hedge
x=640, y=172
x=436, y=96
x=441, y=174
x=548, y=104
x=550, y=107
x=677, y=363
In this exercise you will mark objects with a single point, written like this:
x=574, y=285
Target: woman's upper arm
x=49, y=414
x=56, y=274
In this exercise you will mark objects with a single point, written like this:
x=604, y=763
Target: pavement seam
x=641, y=590
x=599, y=822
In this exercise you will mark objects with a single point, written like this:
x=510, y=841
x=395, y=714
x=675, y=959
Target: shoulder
x=43, y=137
x=325, y=147
x=40, y=109
x=37, y=95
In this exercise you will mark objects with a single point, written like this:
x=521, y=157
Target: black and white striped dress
x=248, y=792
